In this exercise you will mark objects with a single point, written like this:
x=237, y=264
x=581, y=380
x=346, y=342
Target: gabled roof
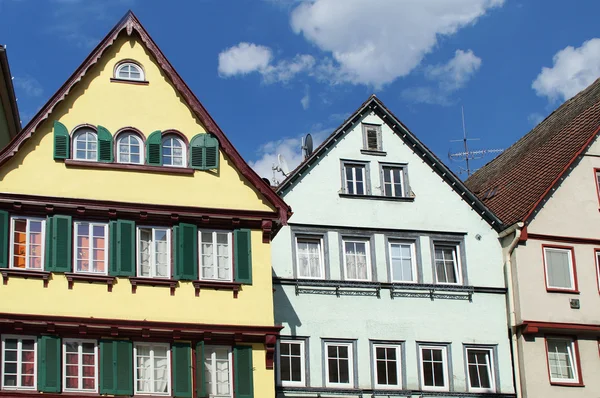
x=7, y=95
x=515, y=184
x=374, y=104
x=130, y=25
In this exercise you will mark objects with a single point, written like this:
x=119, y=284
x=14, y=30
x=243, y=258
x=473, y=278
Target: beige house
x=545, y=188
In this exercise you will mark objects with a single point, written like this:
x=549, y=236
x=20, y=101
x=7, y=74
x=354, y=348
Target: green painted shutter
x=182, y=370
x=112, y=248
x=61, y=243
x=105, y=145
x=61, y=141
x=212, y=152
x=242, y=255
x=124, y=368
x=200, y=382
x=4, y=228
x=49, y=244
x=197, y=152
x=154, y=149
x=243, y=372
x=125, y=248
x=186, y=260
x=49, y=364
x=107, y=365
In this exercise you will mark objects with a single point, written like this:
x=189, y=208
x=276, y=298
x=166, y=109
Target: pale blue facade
x=404, y=310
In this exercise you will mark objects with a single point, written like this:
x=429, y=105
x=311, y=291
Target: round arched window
x=173, y=151
x=129, y=71
x=130, y=148
x=85, y=144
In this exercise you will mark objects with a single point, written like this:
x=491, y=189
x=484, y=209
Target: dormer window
x=129, y=71
x=372, y=138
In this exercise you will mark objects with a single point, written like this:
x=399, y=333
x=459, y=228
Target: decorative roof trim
x=377, y=106
x=130, y=23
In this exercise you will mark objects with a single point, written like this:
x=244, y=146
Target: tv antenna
x=467, y=155
x=307, y=145
x=281, y=167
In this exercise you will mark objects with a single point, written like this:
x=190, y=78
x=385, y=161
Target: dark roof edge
x=401, y=130
x=12, y=99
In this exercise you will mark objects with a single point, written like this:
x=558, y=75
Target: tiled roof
x=513, y=184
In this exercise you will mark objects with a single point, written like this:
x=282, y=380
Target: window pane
x=560, y=358
x=309, y=258
x=558, y=268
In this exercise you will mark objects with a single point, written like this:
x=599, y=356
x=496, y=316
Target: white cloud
x=574, y=69
x=449, y=77
x=244, y=58
x=305, y=101
x=285, y=70
x=375, y=42
x=289, y=148
x=28, y=85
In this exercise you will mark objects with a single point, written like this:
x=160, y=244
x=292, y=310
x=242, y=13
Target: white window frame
x=350, y=346
x=321, y=254
x=572, y=354
x=80, y=365
x=490, y=368
x=302, y=382
x=367, y=243
x=152, y=253
x=184, y=150
x=444, y=349
x=12, y=242
x=19, y=355
x=213, y=372
x=130, y=64
x=355, y=166
x=366, y=127
x=80, y=131
x=90, y=259
x=570, y=256
x=403, y=189
x=398, y=349
x=169, y=368
x=413, y=253
x=128, y=134
x=215, y=259
x=457, y=263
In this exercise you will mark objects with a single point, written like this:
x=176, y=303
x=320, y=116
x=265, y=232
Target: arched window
x=85, y=144
x=173, y=151
x=129, y=71
x=130, y=148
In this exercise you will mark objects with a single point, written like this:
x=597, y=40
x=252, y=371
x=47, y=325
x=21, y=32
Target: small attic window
x=372, y=138
x=129, y=71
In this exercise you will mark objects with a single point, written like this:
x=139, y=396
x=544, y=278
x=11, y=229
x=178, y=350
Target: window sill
x=378, y=197
x=374, y=153
x=135, y=282
x=128, y=166
x=26, y=274
x=564, y=291
x=72, y=278
x=233, y=286
x=565, y=384
x=135, y=82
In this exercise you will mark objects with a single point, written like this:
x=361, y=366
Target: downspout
x=512, y=318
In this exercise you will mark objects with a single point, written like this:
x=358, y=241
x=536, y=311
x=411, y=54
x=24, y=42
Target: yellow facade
x=96, y=100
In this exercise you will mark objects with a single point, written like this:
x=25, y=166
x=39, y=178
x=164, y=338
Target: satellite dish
x=308, y=145
x=283, y=166
x=267, y=181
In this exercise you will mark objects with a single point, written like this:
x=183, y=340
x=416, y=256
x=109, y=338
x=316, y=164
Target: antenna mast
x=468, y=155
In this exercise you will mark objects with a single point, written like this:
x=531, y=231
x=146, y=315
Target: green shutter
x=116, y=367
x=212, y=152
x=112, y=248
x=186, y=260
x=61, y=141
x=242, y=255
x=154, y=149
x=182, y=370
x=200, y=382
x=197, y=152
x=105, y=145
x=4, y=220
x=243, y=372
x=49, y=364
x=49, y=244
x=61, y=244
x=124, y=247
x=123, y=368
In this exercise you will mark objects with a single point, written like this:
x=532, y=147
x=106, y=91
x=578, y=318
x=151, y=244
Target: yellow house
x=134, y=240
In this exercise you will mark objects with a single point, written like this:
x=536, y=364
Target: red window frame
x=577, y=360
x=596, y=253
x=549, y=289
x=596, y=175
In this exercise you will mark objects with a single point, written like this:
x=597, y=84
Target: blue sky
x=270, y=71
